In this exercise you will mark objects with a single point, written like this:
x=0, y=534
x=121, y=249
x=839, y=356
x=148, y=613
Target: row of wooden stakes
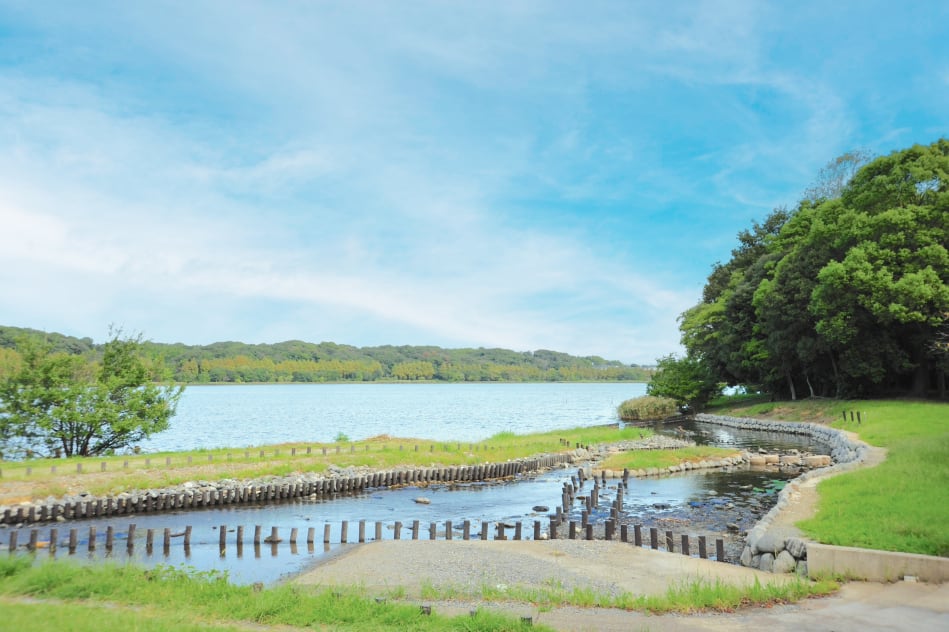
x=502, y=531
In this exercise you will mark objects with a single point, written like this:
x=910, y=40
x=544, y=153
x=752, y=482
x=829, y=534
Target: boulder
x=784, y=563
x=769, y=543
x=766, y=562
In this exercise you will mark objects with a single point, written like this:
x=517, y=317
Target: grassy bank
x=40, y=478
x=899, y=505
x=644, y=459
x=112, y=597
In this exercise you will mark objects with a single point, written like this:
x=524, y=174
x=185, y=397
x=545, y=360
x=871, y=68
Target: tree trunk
x=791, y=386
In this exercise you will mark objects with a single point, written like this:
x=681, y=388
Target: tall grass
x=646, y=408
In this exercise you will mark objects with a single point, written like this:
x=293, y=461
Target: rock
x=541, y=508
x=661, y=506
x=421, y=500
x=746, y=555
x=731, y=526
x=756, y=460
x=766, y=563
x=796, y=547
x=784, y=563
x=769, y=543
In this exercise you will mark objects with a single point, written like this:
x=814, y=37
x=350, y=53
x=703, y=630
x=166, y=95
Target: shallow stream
x=715, y=503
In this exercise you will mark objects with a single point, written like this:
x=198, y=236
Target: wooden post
x=326, y=533
x=572, y=530
x=624, y=533
x=448, y=529
x=397, y=530
x=109, y=537
x=239, y=536
x=720, y=550
x=466, y=530
x=500, y=535
x=53, y=540
x=34, y=537
x=257, y=530
x=589, y=531
x=188, y=536
x=92, y=538
x=485, y=526
x=415, y=529
x=638, y=535
x=310, y=535
x=654, y=537
x=378, y=531
x=517, y=530
x=293, y=535
x=608, y=529
x=344, y=529
x=669, y=541
x=167, y=540
x=537, y=530
x=149, y=540
x=432, y=530
x=362, y=531
x=553, y=528
x=685, y=544
x=703, y=550
x=12, y=546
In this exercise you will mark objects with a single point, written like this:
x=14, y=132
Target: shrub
x=647, y=407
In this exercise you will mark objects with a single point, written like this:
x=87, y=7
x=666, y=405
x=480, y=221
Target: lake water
x=248, y=415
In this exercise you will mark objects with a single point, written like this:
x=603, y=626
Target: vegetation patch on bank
x=700, y=595
x=35, y=479
x=162, y=597
x=644, y=459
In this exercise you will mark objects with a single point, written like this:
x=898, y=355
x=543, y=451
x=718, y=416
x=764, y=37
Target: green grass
x=131, y=472
x=173, y=599
x=687, y=597
x=644, y=459
x=901, y=504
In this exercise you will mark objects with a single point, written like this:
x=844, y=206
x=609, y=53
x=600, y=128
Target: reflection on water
x=752, y=440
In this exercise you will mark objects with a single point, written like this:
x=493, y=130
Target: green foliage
x=846, y=295
x=688, y=381
x=647, y=408
x=58, y=402
x=296, y=361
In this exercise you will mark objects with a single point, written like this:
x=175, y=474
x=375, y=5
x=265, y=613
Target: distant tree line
x=303, y=362
x=846, y=295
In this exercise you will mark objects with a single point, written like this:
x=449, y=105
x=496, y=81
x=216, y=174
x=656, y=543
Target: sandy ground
x=605, y=566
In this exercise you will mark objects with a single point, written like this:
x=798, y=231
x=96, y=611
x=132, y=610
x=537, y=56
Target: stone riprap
x=336, y=481
x=770, y=549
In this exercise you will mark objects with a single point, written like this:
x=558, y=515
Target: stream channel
x=715, y=503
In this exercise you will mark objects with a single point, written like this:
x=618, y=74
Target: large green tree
x=847, y=295
x=61, y=403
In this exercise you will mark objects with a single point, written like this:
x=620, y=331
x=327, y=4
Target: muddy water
x=712, y=503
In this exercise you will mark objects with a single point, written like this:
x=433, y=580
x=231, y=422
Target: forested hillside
x=297, y=361
x=845, y=295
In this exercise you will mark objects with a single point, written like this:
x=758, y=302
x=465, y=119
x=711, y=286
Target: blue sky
x=527, y=175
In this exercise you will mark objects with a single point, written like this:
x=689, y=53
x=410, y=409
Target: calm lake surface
x=248, y=415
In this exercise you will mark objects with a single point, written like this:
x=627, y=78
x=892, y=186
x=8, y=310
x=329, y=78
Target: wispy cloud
x=523, y=175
